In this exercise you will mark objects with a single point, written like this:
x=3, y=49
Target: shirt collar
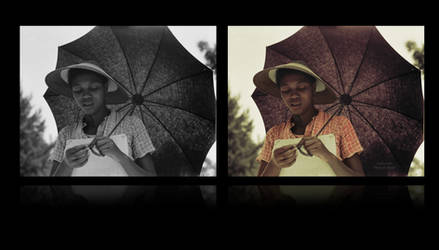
x=316, y=116
x=84, y=124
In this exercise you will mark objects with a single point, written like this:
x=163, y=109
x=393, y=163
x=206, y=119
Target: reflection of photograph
x=346, y=198
x=127, y=101
x=334, y=101
x=119, y=196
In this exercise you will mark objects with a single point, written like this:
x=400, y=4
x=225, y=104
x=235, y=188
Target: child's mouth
x=87, y=105
x=295, y=105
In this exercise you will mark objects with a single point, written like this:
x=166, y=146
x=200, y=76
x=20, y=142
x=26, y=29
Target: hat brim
x=57, y=82
x=264, y=81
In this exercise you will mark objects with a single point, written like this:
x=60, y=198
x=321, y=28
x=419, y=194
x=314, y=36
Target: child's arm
x=142, y=167
x=268, y=169
x=147, y=164
x=75, y=157
x=60, y=169
x=349, y=167
x=282, y=157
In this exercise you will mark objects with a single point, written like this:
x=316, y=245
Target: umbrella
x=166, y=87
x=377, y=90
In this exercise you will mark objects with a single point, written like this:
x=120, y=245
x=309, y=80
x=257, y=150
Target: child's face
x=296, y=91
x=89, y=92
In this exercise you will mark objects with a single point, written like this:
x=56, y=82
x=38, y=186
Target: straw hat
x=265, y=81
x=57, y=81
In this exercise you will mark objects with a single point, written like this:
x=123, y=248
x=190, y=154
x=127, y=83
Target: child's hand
x=285, y=156
x=107, y=147
x=77, y=156
x=314, y=146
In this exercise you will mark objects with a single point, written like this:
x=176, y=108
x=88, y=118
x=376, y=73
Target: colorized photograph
x=325, y=101
x=117, y=101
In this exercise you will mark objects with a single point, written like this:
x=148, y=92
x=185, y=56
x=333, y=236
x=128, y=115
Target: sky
x=246, y=57
x=38, y=54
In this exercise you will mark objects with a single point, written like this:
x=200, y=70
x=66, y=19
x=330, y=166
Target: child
x=90, y=86
x=300, y=88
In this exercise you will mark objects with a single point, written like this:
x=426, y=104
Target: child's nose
x=294, y=94
x=87, y=92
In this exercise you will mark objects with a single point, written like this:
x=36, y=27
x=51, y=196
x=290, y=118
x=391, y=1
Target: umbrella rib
x=117, y=125
x=383, y=81
x=169, y=106
x=330, y=118
x=361, y=63
x=329, y=108
x=132, y=110
x=175, y=81
x=332, y=87
x=153, y=62
x=164, y=127
x=123, y=86
x=383, y=107
x=349, y=113
x=126, y=60
x=118, y=82
x=123, y=107
x=379, y=135
x=334, y=59
x=141, y=115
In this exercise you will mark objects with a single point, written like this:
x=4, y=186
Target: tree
x=242, y=150
x=416, y=168
x=210, y=54
x=418, y=54
x=209, y=167
x=34, y=151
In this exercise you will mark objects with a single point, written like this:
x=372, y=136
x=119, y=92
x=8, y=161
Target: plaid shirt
x=139, y=141
x=345, y=137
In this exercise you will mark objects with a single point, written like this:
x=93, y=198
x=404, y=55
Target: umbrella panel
x=383, y=90
x=171, y=84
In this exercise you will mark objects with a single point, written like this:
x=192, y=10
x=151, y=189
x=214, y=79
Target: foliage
x=210, y=54
x=34, y=151
x=417, y=167
x=209, y=167
x=418, y=54
x=242, y=150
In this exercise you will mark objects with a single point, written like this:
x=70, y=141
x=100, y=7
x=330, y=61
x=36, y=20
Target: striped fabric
x=138, y=138
x=345, y=137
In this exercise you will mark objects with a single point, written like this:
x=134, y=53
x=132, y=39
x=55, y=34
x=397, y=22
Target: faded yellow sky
x=246, y=56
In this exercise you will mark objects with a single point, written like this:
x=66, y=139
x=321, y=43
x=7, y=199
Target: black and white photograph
x=117, y=101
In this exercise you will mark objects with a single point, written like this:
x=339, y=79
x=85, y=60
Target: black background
x=384, y=199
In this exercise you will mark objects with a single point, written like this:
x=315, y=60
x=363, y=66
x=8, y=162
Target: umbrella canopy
x=166, y=87
x=378, y=90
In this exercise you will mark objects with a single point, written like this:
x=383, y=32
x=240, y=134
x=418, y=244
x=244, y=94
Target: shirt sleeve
x=350, y=144
x=265, y=154
x=141, y=143
x=60, y=144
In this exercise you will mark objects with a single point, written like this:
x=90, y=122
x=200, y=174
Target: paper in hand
x=308, y=165
x=98, y=165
